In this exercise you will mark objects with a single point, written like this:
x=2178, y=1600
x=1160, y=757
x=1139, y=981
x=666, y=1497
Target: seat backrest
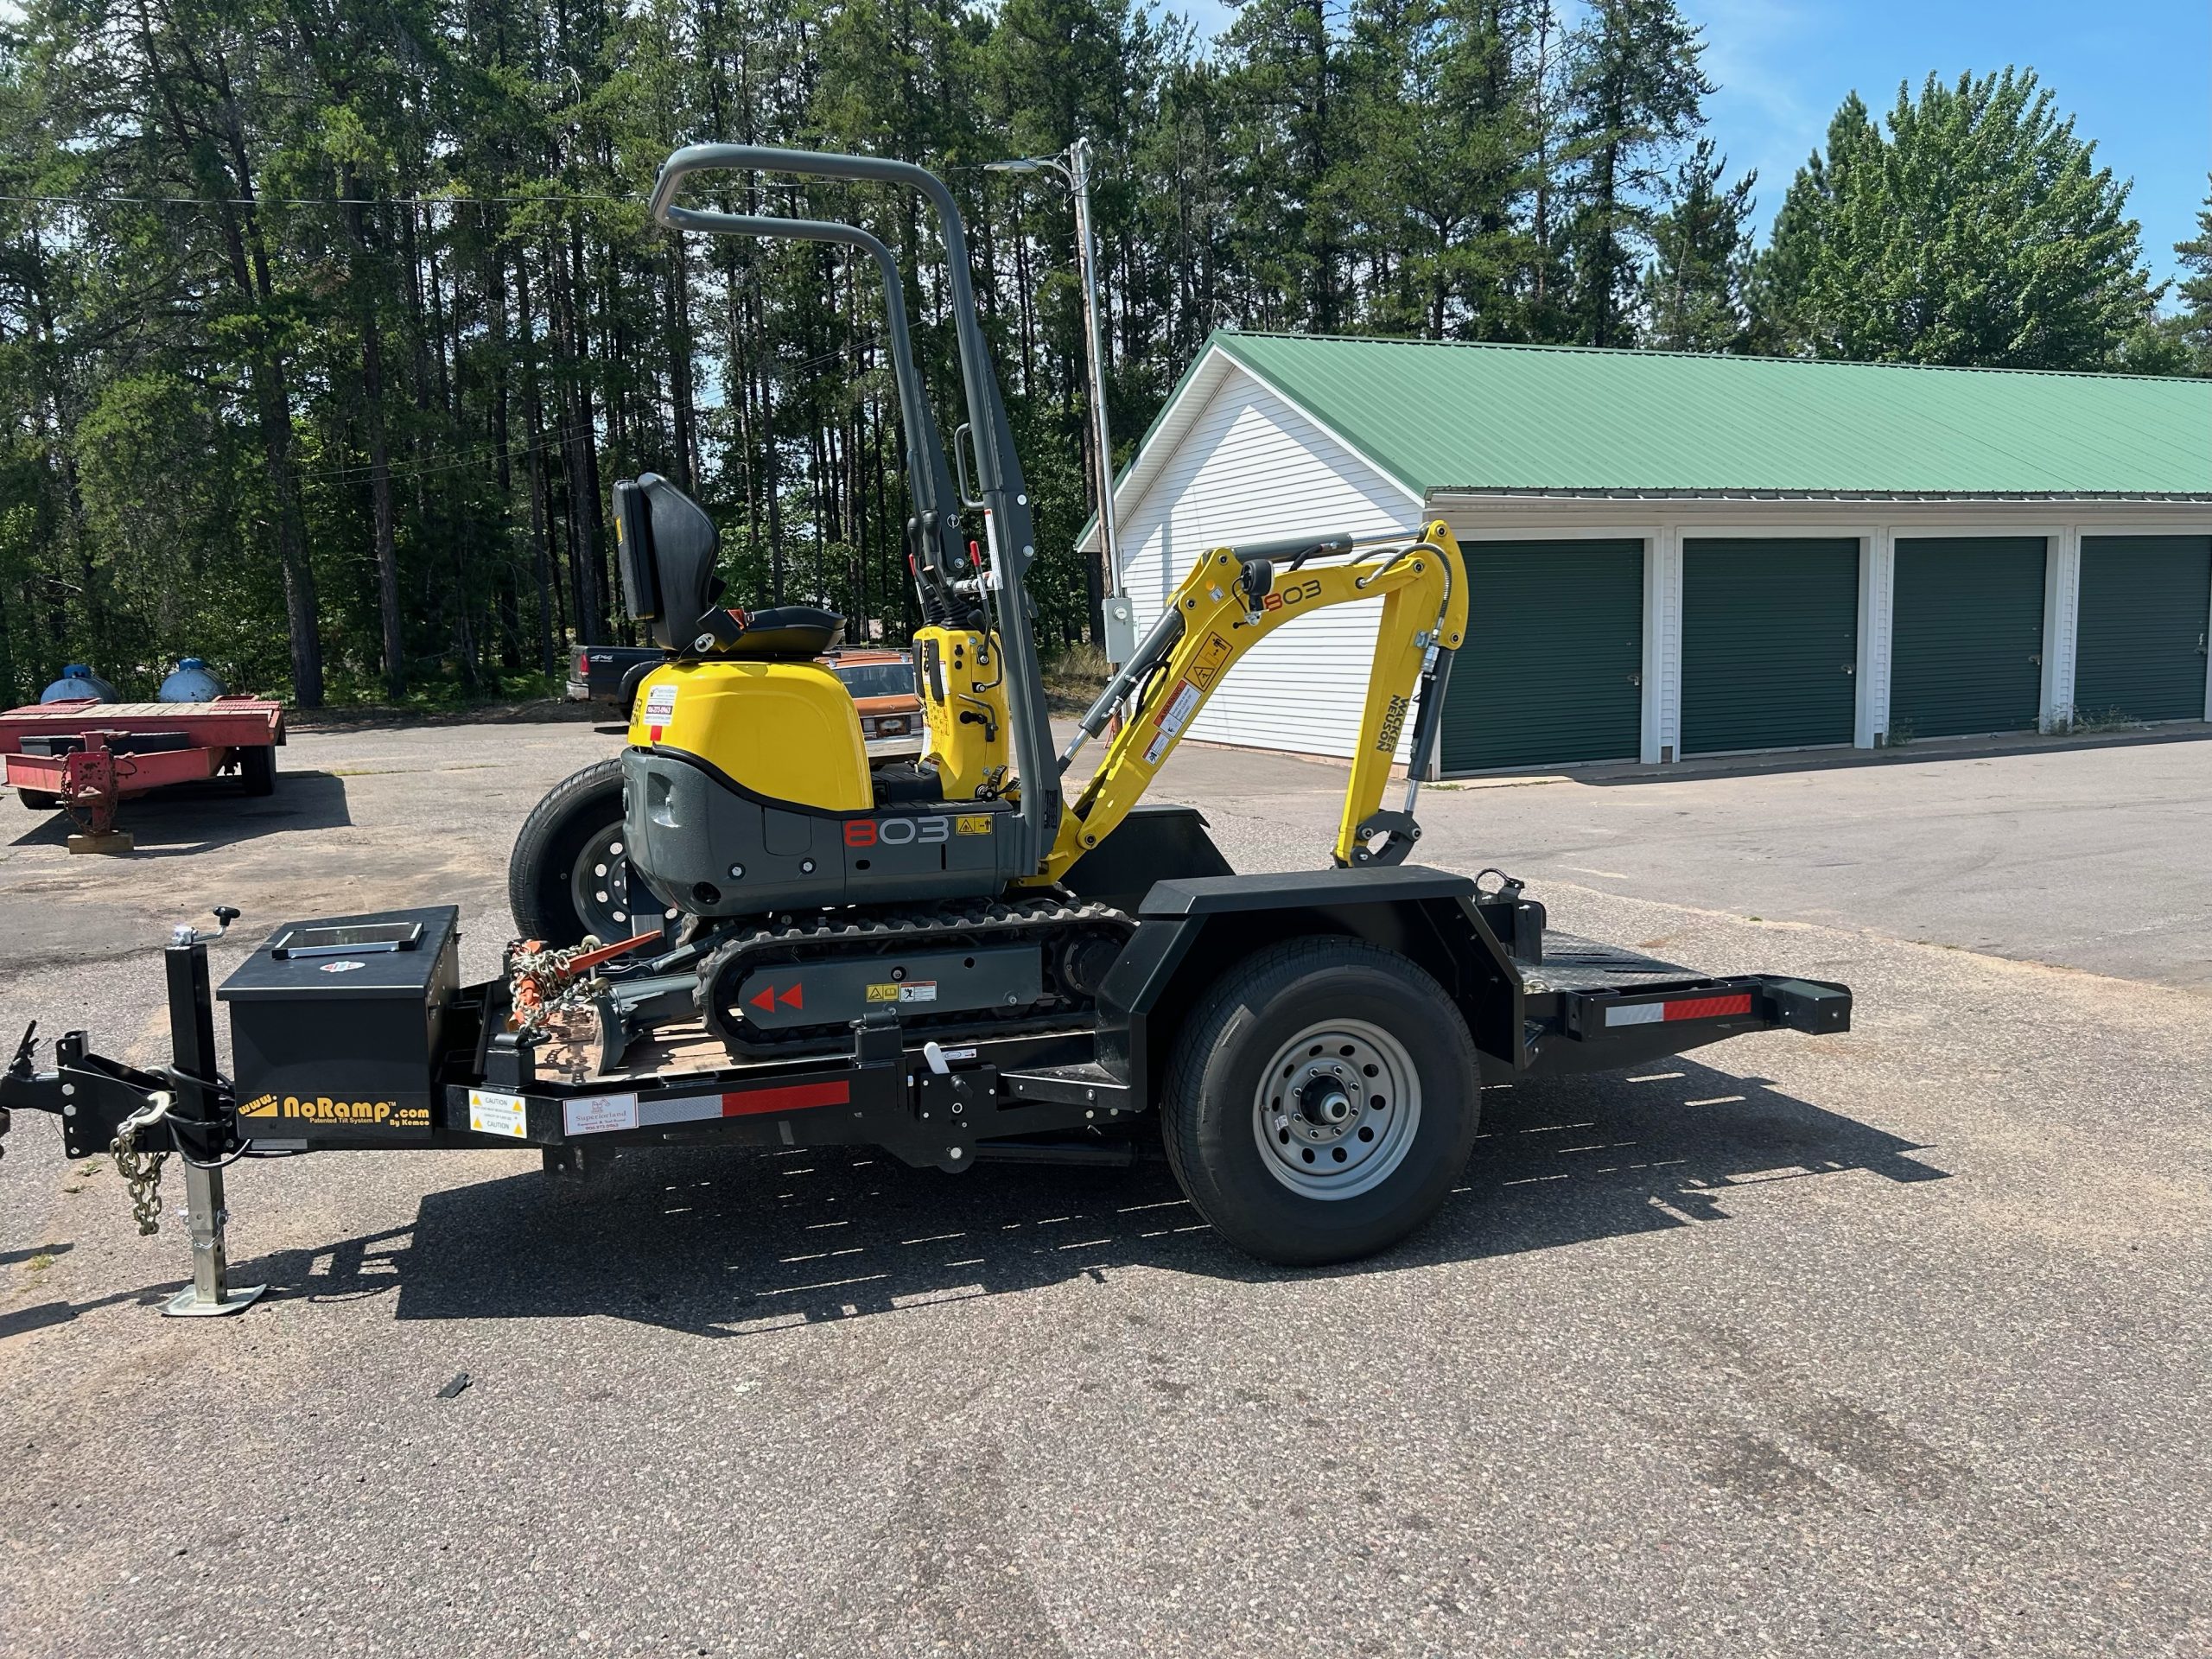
x=666, y=547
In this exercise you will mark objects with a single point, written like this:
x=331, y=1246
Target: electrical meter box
x=336, y=1026
x=1120, y=615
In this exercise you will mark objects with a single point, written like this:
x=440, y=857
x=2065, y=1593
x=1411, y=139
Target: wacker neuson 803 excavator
x=983, y=956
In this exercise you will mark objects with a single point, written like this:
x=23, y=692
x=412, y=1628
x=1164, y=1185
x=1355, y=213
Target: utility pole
x=1073, y=166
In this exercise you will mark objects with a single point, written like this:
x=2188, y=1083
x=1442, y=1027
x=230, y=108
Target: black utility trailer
x=354, y=1033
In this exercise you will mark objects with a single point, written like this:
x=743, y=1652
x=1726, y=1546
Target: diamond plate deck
x=1573, y=964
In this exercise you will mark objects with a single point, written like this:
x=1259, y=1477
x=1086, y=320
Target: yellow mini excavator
x=751, y=809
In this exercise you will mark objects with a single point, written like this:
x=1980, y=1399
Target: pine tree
x=1977, y=231
x=2195, y=322
x=1693, y=293
x=1635, y=90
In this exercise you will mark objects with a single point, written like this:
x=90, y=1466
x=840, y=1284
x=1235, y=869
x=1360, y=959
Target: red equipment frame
x=91, y=782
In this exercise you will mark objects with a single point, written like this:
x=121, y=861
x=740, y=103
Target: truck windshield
x=877, y=679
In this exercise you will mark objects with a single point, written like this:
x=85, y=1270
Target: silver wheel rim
x=598, y=887
x=1336, y=1110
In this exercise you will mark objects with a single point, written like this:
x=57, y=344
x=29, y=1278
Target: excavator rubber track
x=1062, y=926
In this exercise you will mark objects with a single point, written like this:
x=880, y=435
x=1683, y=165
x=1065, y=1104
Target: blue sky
x=2136, y=74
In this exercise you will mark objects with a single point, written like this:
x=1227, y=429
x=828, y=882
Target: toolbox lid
x=390, y=953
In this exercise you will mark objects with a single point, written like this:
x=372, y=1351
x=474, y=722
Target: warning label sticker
x=1212, y=658
x=1179, y=709
x=599, y=1114
x=912, y=991
x=976, y=824
x=496, y=1114
x=1157, y=748
x=660, y=708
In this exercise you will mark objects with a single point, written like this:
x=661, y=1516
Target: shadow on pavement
x=198, y=817
x=728, y=1243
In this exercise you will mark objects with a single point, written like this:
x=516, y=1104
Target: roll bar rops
x=1009, y=525
x=937, y=545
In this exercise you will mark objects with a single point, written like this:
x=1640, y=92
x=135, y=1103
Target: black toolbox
x=336, y=1025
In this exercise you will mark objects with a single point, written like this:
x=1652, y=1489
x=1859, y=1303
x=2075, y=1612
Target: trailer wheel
x=567, y=876
x=257, y=769
x=1321, y=1101
x=39, y=800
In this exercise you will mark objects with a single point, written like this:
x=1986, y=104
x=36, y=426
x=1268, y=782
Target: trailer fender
x=1190, y=929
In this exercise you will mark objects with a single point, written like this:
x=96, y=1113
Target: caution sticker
x=497, y=1114
x=1212, y=658
x=977, y=824
x=660, y=708
x=912, y=991
x=599, y=1114
x=1180, y=707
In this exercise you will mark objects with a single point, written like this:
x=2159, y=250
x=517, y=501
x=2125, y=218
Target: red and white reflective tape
x=1683, y=1008
x=743, y=1102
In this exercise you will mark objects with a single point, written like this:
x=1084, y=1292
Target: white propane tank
x=77, y=682
x=194, y=681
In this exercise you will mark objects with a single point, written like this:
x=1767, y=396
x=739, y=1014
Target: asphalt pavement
x=1890, y=1341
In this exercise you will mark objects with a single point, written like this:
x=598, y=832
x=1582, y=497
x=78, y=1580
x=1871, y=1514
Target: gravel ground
x=1890, y=1341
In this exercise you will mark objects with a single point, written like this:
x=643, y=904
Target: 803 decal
x=906, y=832
x=1297, y=594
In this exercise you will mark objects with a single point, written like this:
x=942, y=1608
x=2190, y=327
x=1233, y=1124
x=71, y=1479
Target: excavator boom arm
x=1231, y=601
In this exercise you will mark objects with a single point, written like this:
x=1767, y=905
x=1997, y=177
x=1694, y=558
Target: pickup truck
x=610, y=673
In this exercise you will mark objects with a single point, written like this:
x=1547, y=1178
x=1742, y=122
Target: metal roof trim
x=1520, y=492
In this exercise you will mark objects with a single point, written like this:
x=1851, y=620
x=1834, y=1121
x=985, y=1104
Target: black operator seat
x=668, y=550
x=786, y=633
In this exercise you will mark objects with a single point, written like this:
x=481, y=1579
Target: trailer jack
x=139, y=1118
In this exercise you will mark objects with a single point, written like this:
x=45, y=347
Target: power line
x=346, y=201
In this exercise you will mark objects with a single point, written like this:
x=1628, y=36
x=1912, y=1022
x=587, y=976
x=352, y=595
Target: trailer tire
x=257, y=769
x=566, y=877
x=1379, y=1103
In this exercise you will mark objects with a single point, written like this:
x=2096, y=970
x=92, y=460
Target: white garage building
x=1672, y=555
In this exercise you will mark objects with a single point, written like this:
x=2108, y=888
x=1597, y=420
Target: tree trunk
x=387, y=555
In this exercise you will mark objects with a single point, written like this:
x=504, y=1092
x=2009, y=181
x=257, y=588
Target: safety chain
x=141, y=1171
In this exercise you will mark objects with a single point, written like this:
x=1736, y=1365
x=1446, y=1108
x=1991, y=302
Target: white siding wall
x=1253, y=468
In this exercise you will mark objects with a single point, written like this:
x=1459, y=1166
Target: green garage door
x=1769, y=644
x=1966, y=652
x=1551, y=670
x=2145, y=599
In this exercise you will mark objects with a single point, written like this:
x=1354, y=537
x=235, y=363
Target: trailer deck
x=86, y=757
x=351, y=1033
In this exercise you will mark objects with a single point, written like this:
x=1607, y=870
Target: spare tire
x=567, y=877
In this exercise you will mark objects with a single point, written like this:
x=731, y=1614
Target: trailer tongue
x=354, y=1034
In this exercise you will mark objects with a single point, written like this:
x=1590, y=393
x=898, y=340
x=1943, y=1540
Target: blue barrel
x=194, y=681
x=77, y=681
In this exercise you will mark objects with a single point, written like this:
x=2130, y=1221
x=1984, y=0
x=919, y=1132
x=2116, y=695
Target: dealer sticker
x=496, y=1114
x=599, y=1114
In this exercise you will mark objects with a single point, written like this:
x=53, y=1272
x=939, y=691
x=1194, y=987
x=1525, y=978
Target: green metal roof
x=1443, y=415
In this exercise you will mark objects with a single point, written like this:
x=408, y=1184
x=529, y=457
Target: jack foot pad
x=112, y=841
x=187, y=1303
